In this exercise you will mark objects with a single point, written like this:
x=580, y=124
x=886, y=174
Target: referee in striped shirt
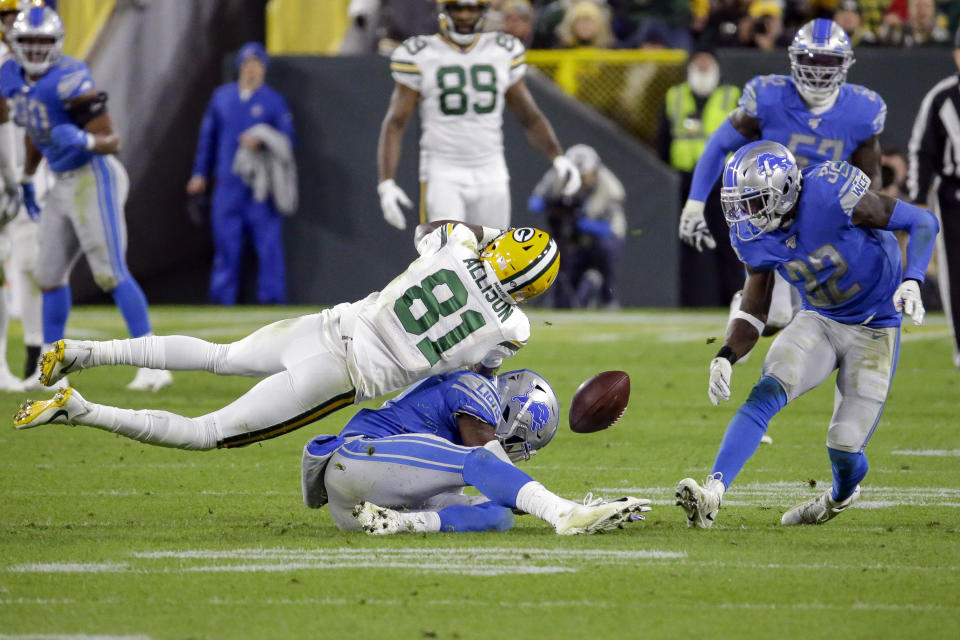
x=935, y=153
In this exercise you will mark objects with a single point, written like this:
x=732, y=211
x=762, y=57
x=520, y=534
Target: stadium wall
x=338, y=245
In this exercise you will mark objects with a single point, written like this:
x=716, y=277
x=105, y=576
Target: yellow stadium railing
x=627, y=86
x=82, y=21
x=306, y=27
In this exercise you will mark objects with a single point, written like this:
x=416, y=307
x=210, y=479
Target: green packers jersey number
x=452, y=81
x=431, y=310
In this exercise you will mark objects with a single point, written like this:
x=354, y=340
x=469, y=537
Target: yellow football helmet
x=524, y=261
x=449, y=29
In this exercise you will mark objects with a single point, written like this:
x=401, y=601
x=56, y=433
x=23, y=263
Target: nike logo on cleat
x=62, y=412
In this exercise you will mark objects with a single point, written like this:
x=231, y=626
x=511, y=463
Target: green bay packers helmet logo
x=524, y=234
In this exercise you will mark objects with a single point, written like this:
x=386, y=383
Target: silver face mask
x=703, y=83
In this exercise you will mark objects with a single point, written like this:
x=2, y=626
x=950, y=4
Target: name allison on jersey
x=461, y=97
x=844, y=272
x=833, y=135
x=439, y=315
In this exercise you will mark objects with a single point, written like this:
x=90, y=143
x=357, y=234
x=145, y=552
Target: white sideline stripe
x=69, y=567
x=823, y=606
x=951, y=453
x=494, y=553
x=432, y=567
x=40, y=601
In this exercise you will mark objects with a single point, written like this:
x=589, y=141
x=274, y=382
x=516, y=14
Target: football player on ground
x=403, y=467
x=53, y=98
x=832, y=238
x=814, y=112
x=461, y=78
x=454, y=306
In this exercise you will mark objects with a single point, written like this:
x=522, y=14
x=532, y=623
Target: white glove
x=693, y=228
x=391, y=197
x=568, y=174
x=10, y=202
x=720, y=373
x=907, y=299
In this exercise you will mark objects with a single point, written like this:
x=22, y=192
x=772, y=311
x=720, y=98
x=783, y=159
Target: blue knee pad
x=848, y=470
x=747, y=427
x=494, y=478
x=488, y=516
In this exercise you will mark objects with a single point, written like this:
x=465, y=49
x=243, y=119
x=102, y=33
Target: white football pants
x=483, y=203
x=304, y=358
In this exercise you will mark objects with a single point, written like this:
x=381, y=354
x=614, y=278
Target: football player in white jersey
x=456, y=305
x=461, y=78
x=18, y=233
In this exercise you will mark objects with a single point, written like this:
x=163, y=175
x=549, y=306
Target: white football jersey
x=461, y=97
x=439, y=315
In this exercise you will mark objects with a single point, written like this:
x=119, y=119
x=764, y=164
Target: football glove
x=10, y=201
x=30, y=200
x=720, y=373
x=391, y=198
x=568, y=175
x=693, y=227
x=70, y=135
x=907, y=299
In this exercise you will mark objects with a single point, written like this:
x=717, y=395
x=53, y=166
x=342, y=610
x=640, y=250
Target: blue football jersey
x=833, y=135
x=431, y=406
x=39, y=107
x=844, y=272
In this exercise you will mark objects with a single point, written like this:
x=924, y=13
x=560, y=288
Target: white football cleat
x=10, y=382
x=63, y=408
x=818, y=510
x=65, y=356
x=378, y=521
x=150, y=380
x=600, y=516
x=700, y=503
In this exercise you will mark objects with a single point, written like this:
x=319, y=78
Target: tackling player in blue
x=53, y=97
x=814, y=112
x=832, y=238
x=403, y=467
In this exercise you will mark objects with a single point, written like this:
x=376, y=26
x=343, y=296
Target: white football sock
x=536, y=500
x=420, y=521
x=160, y=428
x=161, y=352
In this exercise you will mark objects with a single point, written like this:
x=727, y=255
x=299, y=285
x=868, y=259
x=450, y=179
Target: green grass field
x=102, y=536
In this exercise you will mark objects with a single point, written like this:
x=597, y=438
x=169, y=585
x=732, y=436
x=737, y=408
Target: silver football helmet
x=820, y=56
x=531, y=413
x=36, y=38
x=761, y=184
x=449, y=28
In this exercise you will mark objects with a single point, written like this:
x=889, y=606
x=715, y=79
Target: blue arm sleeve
x=207, y=143
x=923, y=227
x=710, y=165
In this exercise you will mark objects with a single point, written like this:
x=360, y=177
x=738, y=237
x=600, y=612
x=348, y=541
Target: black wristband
x=727, y=352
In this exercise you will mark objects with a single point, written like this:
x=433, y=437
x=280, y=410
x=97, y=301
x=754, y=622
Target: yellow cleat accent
x=51, y=364
x=35, y=413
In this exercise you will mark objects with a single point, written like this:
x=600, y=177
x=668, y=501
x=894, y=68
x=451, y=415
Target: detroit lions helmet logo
x=771, y=162
x=539, y=412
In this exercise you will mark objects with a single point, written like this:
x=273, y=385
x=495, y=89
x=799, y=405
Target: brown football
x=599, y=402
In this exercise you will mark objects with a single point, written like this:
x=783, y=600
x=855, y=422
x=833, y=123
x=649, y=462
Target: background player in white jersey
x=453, y=306
x=815, y=113
x=403, y=467
x=462, y=79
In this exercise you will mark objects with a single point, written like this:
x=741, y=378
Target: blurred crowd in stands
x=676, y=24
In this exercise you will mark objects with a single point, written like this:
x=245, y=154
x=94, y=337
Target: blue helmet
x=761, y=184
x=531, y=413
x=36, y=39
x=254, y=49
x=820, y=56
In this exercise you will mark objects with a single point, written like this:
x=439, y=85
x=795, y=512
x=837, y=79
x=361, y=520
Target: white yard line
x=68, y=636
x=948, y=453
